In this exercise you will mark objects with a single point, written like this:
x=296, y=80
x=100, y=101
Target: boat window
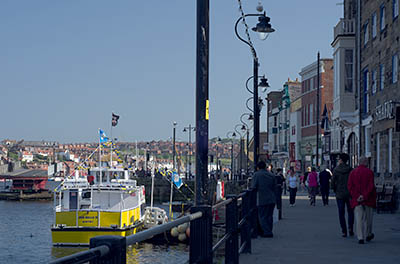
x=97, y=176
x=73, y=200
x=114, y=175
x=86, y=195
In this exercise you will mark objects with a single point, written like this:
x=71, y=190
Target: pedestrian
x=305, y=179
x=324, y=180
x=280, y=179
x=339, y=186
x=363, y=199
x=312, y=180
x=292, y=180
x=265, y=184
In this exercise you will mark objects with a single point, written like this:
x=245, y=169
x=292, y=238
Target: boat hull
x=78, y=236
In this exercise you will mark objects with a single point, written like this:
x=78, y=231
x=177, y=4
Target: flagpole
x=112, y=142
x=100, y=157
x=137, y=157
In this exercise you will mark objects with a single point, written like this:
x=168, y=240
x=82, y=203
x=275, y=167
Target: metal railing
x=240, y=227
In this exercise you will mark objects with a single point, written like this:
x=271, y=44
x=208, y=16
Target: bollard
x=253, y=213
x=232, y=244
x=245, y=230
x=117, y=245
x=200, y=251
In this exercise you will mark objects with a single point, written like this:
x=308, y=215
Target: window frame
x=381, y=77
x=395, y=68
x=374, y=21
x=395, y=8
x=366, y=34
x=382, y=21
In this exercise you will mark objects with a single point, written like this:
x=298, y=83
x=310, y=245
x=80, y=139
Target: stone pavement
x=312, y=235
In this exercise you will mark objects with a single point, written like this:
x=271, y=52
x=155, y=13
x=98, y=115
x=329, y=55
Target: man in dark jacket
x=265, y=184
x=324, y=180
x=339, y=186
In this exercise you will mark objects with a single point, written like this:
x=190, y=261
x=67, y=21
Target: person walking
x=292, y=183
x=339, y=186
x=324, y=181
x=313, y=185
x=280, y=179
x=265, y=184
x=363, y=199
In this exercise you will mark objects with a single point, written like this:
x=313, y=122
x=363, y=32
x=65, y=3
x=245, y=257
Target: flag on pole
x=176, y=179
x=324, y=121
x=103, y=136
x=114, y=119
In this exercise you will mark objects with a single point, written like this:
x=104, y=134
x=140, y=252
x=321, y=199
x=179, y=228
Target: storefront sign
x=384, y=111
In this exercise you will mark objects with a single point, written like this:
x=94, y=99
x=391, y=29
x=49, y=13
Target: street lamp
x=189, y=129
x=245, y=127
x=232, y=136
x=238, y=128
x=173, y=145
x=264, y=28
x=217, y=157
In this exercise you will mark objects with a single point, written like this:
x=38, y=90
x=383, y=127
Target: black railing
x=240, y=227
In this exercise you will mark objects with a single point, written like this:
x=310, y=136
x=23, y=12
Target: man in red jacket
x=363, y=199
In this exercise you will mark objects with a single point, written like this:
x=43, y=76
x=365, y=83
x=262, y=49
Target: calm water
x=25, y=237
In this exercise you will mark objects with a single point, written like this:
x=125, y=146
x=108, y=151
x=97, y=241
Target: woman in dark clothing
x=324, y=181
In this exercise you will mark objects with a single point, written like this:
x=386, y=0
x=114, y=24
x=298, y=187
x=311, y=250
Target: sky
x=65, y=66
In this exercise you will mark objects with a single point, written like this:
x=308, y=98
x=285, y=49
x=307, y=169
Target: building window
x=275, y=121
x=382, y=18
x=366, y=36
x=348, y=60
x=311, y=114
x=373, y=81
x=382, y=76
x=395, y=8
x=293, y=130
x=311, y=83
x=366, y=84
x=367, y=140
x=395, y=68
x=373, y=25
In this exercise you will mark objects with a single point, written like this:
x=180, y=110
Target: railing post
x=245, y=230
x=253, y=213
x=232, y=244
x=201, y=236
x=117, y=245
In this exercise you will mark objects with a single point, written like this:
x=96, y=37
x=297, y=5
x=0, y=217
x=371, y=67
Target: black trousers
x=292, y=195
x=265, y=213
x=341, y=204
x=325, y=194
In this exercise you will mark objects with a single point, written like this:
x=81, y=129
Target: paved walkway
x=312, y=235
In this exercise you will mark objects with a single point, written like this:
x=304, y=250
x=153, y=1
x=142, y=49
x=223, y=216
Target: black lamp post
x=189, y=129
x=246, y=128
x=232, y=136
x=217, y=157
x=264, y=28
x=238, y=128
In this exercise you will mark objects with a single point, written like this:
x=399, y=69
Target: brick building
x=309, y=111
x=380, y=86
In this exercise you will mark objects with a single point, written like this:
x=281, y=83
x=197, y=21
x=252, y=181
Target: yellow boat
x=105, y=202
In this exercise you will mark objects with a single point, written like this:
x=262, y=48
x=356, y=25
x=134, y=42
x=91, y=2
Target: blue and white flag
x=176, y=179
x=103, y=137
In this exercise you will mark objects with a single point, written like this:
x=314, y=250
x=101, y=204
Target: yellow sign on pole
x=207, y=109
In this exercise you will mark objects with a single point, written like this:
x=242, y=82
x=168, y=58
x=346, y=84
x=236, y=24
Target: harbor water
x=26, y=238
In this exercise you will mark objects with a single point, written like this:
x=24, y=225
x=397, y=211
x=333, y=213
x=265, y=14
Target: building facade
x=380, y=86
x=344, y=129
x=310, y=114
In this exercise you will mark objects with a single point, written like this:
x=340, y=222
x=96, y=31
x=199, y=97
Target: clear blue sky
x=66, y=65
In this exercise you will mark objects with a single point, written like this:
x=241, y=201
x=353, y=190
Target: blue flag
x=103, y=137
x=176, y=179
